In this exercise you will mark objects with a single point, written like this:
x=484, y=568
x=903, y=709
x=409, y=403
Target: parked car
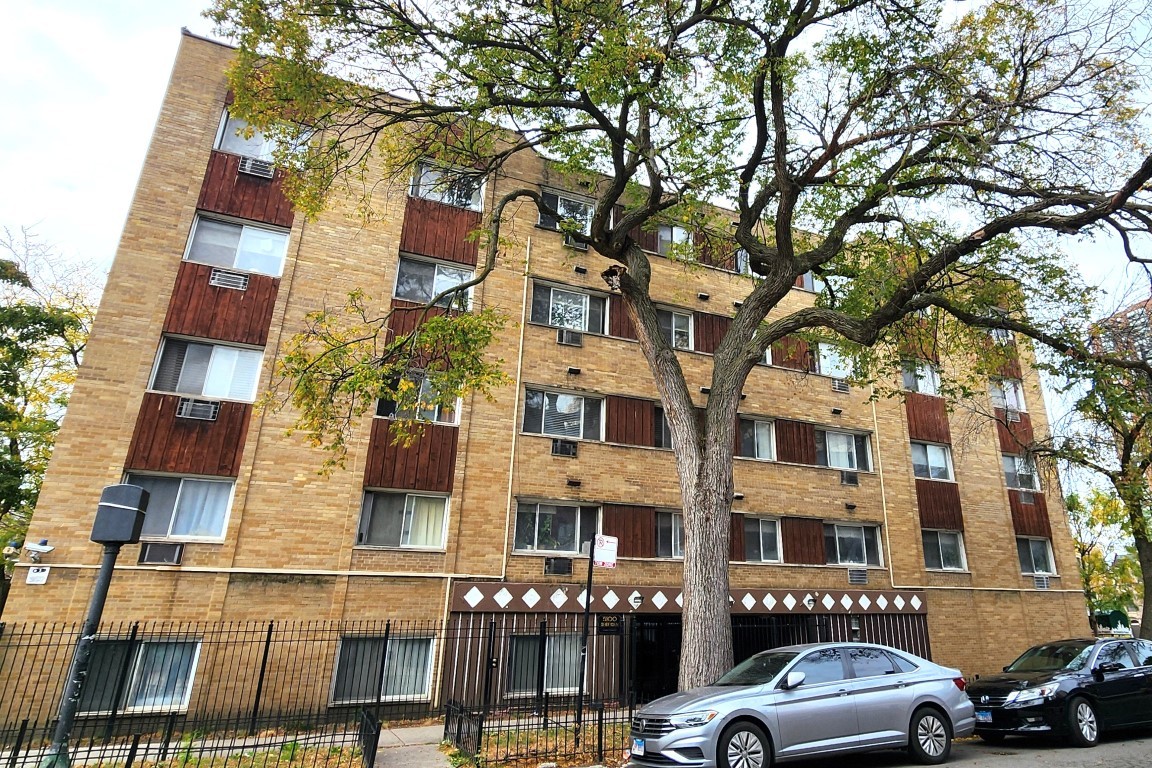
x=804, y=701
x=1073, y=688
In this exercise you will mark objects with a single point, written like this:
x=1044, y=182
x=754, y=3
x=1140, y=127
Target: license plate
x=638, y=747
x=983, y=716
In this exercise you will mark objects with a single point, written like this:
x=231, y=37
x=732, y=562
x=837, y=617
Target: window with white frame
x=406, y=673
x=1001, y=336
x=232, y=245
x=921, y=376
x=207, y=370
x=426, y=408
x=761, y=540
x=842, y=450
x=546, y=527
x=1020, y=472
x=400, y=519
x=576, y=212
x=418, y=281
x=1007, y=394
x=830, y=362
x=672, y=239
x=563, y=415
x=851, y=544
x=742, y=262
x=756, y=439
x=943, y=550
x=807, y=281
x=567, y=308
x=451, y=186
x=669, y=534
x=1035, y=556
x=675, y=327
x=932, y=461
x=139, y=676
x=184, y=508
x=561, y=663
x=237, y=137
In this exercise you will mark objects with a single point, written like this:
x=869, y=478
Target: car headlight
x=1031, y=695
x=692, y=719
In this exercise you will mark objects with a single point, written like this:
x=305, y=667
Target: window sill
x=384, y=700
x=936, y=479
x=396, y=548
x=422, y=421
x=1034, y=575
x=217, y=398
x=575, y=554
x=957, y=571
x=238, y=270
x=185, y=540
x=446, y=205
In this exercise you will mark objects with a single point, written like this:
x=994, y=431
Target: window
x=419, y=281
x=742, y=262
x=1114, y=653
x=426, y=407
x=842, y=450
x=451, y=186
x=672, y=239
x=675, y=327
x=669, y=534
x=578, y=214
x=184, y=507
x=851, y=544
x=1007, y=394
x=932, y=461
x=562, y=415
x=761, y=540
x=830, y=362
x=237, y=246
x=406, y=676
x=139, y=675
x=807, y=281
x=870, y=662
x=921, y=376
x=1020, y=472
x=561, y=663
x=403, y=520
x=554, y=527
x=238, y=138
x=1001, y=336
x=1143, y=651
x=1035, y=556
x=564, y=308
x=822, y=666
x=662, y=433
x=756, y=439
x=208, y=370
x=943, y=550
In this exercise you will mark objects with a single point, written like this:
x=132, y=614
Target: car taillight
x=961, y=683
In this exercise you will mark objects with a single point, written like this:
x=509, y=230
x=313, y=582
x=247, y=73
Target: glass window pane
x=556, y=528
x=764, y=440
x=596, y=310
x=450, y=277
x=523, y=664
x=850, y=544
x=950, y=551
x=161, y=503
x=526, y=515
x=201, y=508
x=677, y=535
x=163, y=675
x=562, y=662
x=233, y=139
x=841, y=450
x=385, y=519
x=541, y=303
x=358, y=669
x=870, y=662
x=423, y=521
x=569, y=310
x=1024, y=552
x=197, y=359
x=215, y=242
x=533, y=411
x=563, y=414
x=769, y=540
x=872, y=545
x=920, y=466
x=931, y=549
x=753, y=549
x=415, y=280
x=1010, y=478
x=1040, y=559
x=821, y=667
x=938, y=461
x=681, y=331
x=592, y=408
x=262, y=251
x=107, y=666
x=407, y=667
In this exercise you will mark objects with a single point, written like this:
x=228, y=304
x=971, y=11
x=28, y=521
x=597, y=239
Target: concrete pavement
x=415, y=747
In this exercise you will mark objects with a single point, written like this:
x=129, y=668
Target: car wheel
x=743, y=745
x=929, y=736
x=1083, y=727
x=992, y=738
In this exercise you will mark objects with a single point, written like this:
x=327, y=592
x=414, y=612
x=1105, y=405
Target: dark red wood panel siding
x=619, y=324
x=162, y=442
x=795, y=441
x=927, y=418
x=709, y=330
x=736, y=542
x=226, y=190
x=226, y=314
x=629, y=420
x=803, y=540
x=793, y=353
x=1010, y=368
x=648, y=241
x=635, y=527
x=715, y=251
x=939, y=504
x=425, y=465
x=407, y=316
x=440, y=231
x=1030, y=519
x=1016, y=435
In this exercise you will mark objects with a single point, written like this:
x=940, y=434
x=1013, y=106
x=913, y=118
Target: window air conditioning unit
x=157, y=553
x=857, y=576
x=849, y=478
x=557, y=566
x=564, y=448
x=204, y=410
x=840, y=385
x=1041, y=582
x=253, y=166
x=569, y=337
x=1011, y=415
x=222, y=278
x=572, y=242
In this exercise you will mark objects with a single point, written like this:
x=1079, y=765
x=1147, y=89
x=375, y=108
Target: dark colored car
x=1071, y=688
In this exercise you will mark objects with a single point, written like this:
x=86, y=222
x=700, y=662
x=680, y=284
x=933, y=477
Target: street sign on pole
x=604, y=551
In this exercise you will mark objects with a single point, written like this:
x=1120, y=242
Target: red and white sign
x=604, y=551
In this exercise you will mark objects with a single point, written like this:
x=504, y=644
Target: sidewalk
x=417, y=747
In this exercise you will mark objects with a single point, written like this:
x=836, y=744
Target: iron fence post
x=490, y=669
x=14, y=758
x=260, y=679
x=540, y=667
x=122, y=678
x=383, y=664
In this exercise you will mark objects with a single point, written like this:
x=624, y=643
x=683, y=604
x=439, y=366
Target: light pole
x=119, y=518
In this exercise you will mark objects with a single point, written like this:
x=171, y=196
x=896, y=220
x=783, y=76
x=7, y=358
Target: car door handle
x=902, y=684
x=843, y=691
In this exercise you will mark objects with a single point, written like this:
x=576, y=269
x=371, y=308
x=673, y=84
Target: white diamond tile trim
x=915, y=602
x=828, y=601
x=473, y=597
x=610, y=599
x=531, y=597
x=635, y=599
x=882, y=602
x=789, y=601
x=899, y=603
x=680, y=599
x=503, y=597
x=659, y=600
x=582, y=598
x=864, y=602
x=748, y=601
x=846, y=601
x=809, y=601
x=559, y=598
x=769, y=601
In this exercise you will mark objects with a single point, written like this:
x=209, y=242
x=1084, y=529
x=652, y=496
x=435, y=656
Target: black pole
x=260, y=680
x=540, y=665
x=57, y=756
x=584, y=645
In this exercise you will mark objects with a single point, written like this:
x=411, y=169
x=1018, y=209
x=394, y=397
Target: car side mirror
x=1004, y=669
x=1108, y=666
x=793, y=680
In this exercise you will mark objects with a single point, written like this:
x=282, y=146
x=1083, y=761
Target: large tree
x=1109, y=569
x=913, y=158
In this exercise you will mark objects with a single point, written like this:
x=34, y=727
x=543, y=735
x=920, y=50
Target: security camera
x=42, y=548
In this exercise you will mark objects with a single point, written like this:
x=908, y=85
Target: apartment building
x=853, y=518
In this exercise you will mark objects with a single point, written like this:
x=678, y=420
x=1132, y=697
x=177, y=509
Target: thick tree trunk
x=1144, y=554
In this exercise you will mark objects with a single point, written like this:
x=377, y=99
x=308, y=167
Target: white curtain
x=201, y=508
x=841, y=450
x=424, y=521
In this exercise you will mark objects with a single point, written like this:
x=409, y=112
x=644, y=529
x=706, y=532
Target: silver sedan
x=807, y=701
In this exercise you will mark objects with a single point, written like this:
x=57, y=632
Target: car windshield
x=1052, y=657
x=757, y=669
